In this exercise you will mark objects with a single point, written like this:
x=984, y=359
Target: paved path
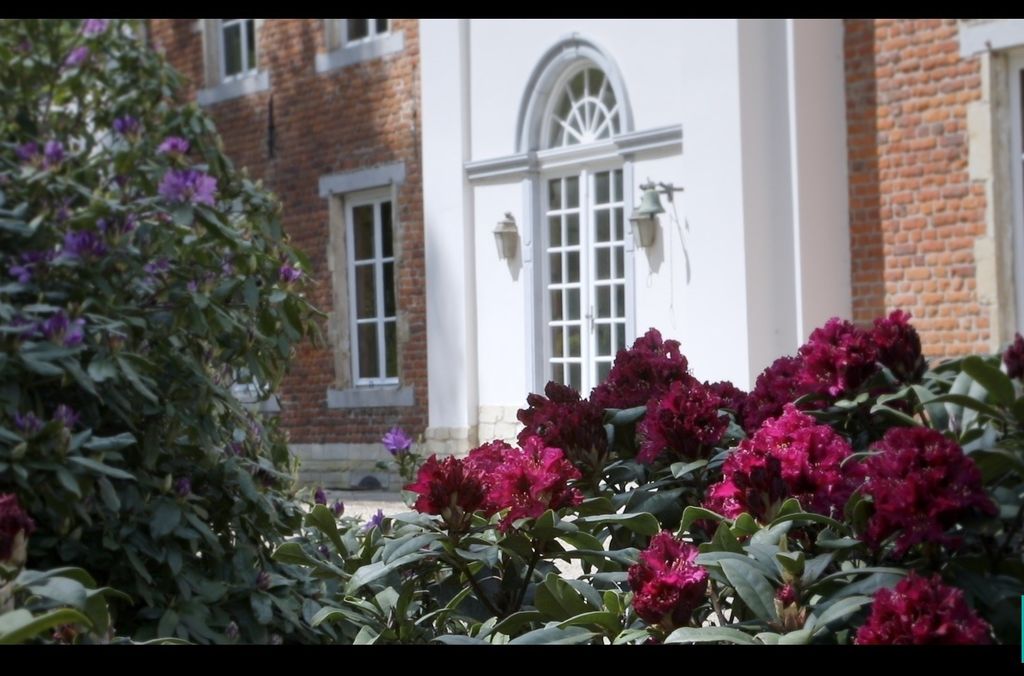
x=366, y=503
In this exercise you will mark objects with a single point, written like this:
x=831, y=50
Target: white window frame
x=220, y=86
x=375, y=198
x=248, y=69
x=343, y=52
x=588, y=283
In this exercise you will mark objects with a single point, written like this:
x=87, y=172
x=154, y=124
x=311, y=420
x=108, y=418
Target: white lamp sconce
x=506, y=235
x=645, y=216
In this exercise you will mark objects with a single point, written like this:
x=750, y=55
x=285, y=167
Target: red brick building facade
x=325, y=114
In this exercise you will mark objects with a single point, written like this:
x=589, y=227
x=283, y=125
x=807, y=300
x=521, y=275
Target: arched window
x=582, y=230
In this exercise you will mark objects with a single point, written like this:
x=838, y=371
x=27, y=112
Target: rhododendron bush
x=853, y=496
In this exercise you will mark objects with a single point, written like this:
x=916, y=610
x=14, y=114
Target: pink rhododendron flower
x=13, y=520
x=775, y=387
x=899, y=346
x=1014, y=358
x=922, y=610
x=921, y=484
x=643, y=371
x=837, y=358
x=449, y=489
x=532, y=480
x=667, y=585
x=563, y=420
x=683, y=423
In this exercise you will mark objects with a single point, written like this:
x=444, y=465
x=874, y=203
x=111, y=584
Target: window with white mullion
x=373, y=307
x=238, y=48
x=364, y=30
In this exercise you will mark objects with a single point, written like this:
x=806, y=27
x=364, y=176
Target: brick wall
x=914, y=212
x=359, y=116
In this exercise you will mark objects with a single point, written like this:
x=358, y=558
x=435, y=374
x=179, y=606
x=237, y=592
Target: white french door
x=584, y=272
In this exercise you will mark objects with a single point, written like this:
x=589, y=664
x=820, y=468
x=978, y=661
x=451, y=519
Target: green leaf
x=725, y=541
x=999, y=386
x=367, y=574
x=840, y=609
x=115, y=443
x=553, y=635
x=261, y=608
x=792, y=562
x=97, y=466
x=20, y=625
x=108, y=494
x=965, y=401
x=681, y=469
x=166, y=518
x=101, y=369
x=168, y=623
x=811, y=517
x=604, y=619
x=693, y=513
x=627, y=415
x=408, y=545
x=641, y=522
x=710, y=635
x=558, y=600
x=323, y=519
x=751, y=586
x=62, y=590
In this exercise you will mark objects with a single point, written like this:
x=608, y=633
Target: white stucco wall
x=763, y=215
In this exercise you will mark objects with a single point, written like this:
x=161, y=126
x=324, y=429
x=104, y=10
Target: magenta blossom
x=13, y=521
x=449, y=488
x=173, y=145
x=188, y=185
x=922, y=610
x=667, y=584
x=563, y=420
x=397, y=441
x=899, y=346
x=837, y=358
x=775, y=387
x=642, y=372
x=532, y=480
x=1014, y=358
x=683, y=424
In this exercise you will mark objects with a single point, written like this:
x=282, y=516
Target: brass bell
x=650, y=203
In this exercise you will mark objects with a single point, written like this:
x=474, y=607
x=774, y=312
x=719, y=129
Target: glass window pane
x=577, y=85
x=603, y=226
x=574, y=341
x=366, y=301
x=362, y=224
x=602, y=188
x=620, y=336
x=572, y=192
x=556, y=267
x=556, y=341
x=232, y=50
x=382, y=25
x=555, y=194
x=620, y=264
x=368, y=358
x=389, y=289
x=572, y=229
x=617, y=224
x=620, y=301
x=573, y=266
x=386, y=234
x=357, y=29
x=558, y=373
x=617, y=185
x=250, y=43
x=556, y=305
x=572, y=310
x=604, y=302
x=391, y=349
x=596, y=80
x=603, y=367
x=604, y=262
x=604, y=340
x=555, y=230
x=575, y=382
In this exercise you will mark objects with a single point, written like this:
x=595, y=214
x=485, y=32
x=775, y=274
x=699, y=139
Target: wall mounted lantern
x=645, y=216
x=506, y=235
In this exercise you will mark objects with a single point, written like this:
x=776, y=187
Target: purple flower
x=27, y=152
x=192, y=286
x=376, y=521
x=91, y=27
x=173, y=145
x=53, y=153
x=84, y=244
x=157, y=267
x=77, y=56
x=123, y=226
x=29, y=261
x=338, y=508
x=287, y=273
x=27, y=423
x=183, y=487
x=126, y=125
x=188, y=185
x=231, y=631
x=319, y=497
x=236, y=448
x=66, y=415
x=227, y=267
x=397, y=441
x=58, y=329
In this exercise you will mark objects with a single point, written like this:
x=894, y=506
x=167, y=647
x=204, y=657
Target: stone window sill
x=362, y=51
x=370, y=397
x=225, y=91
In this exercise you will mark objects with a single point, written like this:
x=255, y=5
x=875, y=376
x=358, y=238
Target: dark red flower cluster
x=526, y=481
x=732, y=397
x=777, y=386
x=921, y=483
x=13, y=520
x=899, y=346
x=790, y=456
x=919, y=611
x=837, y=358
x=667, y=585
x=1014, y=358
x=531, y=480
x=644, y=371
x=683, y=423
x=563, y=420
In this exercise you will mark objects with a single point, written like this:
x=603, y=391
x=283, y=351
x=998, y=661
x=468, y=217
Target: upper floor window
x=350, y=41
x=238, y=47
x=357, y=30
x=586, y=111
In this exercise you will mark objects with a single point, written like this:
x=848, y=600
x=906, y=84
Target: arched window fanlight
x=585, y=112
